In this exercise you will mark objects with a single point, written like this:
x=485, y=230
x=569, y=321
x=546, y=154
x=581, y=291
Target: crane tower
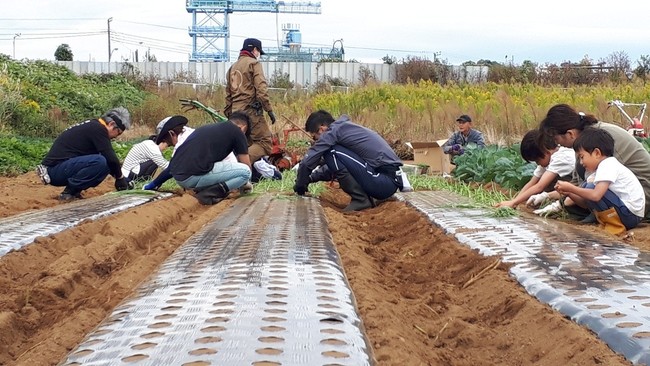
x=211, y=23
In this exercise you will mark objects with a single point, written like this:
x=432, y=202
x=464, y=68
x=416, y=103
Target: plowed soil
x=409, y=278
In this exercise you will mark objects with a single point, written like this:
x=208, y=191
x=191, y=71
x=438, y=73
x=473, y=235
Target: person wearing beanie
x=246, y=91
x=82, y=156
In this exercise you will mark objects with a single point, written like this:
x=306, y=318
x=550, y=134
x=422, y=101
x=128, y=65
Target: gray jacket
x=366, y=143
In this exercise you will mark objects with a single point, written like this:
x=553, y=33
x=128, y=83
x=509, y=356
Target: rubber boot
x=211, y=195
x=610, y=221
x=360, y=200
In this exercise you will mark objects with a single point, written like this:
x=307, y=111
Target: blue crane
x=208, y=29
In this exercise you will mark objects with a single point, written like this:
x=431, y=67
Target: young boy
x=553, y=163
x=616, y=196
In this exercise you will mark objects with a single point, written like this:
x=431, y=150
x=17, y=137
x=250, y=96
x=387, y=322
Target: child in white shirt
x=616, y=196
x=553, y=163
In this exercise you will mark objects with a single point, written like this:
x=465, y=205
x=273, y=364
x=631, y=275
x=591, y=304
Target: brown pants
x=259, y=142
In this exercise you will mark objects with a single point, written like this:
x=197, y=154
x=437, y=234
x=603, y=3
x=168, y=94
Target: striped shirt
x=140, y=153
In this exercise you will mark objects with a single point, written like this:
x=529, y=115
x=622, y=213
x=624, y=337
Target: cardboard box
x=431, y=154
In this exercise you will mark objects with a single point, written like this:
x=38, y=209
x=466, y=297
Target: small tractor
x=634, y=124
x=280, y=155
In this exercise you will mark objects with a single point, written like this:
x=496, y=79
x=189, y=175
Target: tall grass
x=422, y=111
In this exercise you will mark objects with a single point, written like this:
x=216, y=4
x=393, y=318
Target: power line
x=153, y=25
x=58, y=36
x=50, y=19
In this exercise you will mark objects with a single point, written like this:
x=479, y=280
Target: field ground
x=406, y=274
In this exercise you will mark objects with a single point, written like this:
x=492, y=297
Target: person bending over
x=359, y=158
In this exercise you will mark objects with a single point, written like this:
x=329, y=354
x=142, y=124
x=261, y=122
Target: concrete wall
x=301, y=73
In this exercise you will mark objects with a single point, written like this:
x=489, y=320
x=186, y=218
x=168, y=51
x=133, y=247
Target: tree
x=644, y=68
x=389, y=60
x=63, y=53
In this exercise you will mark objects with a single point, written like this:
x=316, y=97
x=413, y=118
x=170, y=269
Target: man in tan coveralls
x=246, y=91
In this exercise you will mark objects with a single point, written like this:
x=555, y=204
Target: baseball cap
x=250, y=43
x=464, y=118
x=167, y=125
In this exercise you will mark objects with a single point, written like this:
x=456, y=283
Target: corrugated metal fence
x=301, y=73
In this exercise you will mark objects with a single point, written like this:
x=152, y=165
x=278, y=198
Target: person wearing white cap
x=247, y=91
x=82, y=156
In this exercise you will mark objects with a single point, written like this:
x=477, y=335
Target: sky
x=552, y=31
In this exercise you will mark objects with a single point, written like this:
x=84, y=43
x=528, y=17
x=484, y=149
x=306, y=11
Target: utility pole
x=16, y=35
x=109, y=38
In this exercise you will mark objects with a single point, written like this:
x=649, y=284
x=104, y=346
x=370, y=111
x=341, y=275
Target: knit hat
x=120, y=116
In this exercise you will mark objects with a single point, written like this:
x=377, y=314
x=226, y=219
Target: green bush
x=53, y=97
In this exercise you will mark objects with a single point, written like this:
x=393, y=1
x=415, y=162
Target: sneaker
x=41, y=170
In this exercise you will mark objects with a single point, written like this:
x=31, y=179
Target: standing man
x=460, y=139
x=359, y=158
x=246, y=91
x=82, y=156
x=199, y=163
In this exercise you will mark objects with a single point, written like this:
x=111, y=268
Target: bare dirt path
x=406, y=274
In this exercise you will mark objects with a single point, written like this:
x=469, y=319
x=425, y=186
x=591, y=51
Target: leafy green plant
x=502, y=165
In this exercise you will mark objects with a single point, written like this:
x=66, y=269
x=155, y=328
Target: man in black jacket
x=359, y=158
x=82, y=155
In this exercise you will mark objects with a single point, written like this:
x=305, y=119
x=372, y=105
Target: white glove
x=537, y=199
x=246, y=188
x=556, y=206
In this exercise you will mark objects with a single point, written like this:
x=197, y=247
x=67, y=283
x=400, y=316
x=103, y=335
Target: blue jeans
x=234, y=175
x=610, y=199
x=79, y=173
x=375, y=184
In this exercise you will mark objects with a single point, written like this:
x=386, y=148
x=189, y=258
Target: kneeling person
x=198, y=164
x=359, y=158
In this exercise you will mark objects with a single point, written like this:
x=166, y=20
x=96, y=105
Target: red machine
x=635, y=124
x=280, y=156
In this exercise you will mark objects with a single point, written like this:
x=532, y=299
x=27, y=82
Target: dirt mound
x=423, y=301
x=56, y=290
x=419, y=292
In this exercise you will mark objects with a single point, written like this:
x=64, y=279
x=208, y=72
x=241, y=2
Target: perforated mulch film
x=19, y=230
x=602, y=284
x=261, y=284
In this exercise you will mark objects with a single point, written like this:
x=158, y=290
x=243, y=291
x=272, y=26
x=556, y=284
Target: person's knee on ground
x=360, y=200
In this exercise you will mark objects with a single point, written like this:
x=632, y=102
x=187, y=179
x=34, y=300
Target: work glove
x=246, y=188
x=552, y=208
x=149, y=187
x=300, y=190
x=537, y=199
x=272, y=117
x=457, y=149
x=121, y=184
